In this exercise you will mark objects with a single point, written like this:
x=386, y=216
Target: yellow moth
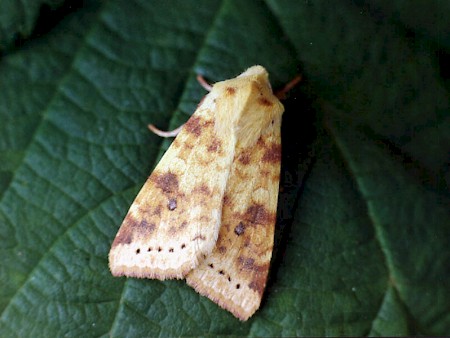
x=207, y=212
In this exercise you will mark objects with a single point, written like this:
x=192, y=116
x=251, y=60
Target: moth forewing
x=234, y=275
x=174, y=221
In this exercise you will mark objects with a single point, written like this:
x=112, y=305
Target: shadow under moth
x=207, y=212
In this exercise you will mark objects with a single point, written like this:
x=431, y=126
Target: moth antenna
x=162, y=133
x=281, y=94
x=204, y=83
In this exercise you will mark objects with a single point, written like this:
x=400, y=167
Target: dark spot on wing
x=240, y=228
x=172, y=204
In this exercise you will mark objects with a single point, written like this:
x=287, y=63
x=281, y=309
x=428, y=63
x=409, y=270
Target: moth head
x=246, y=106
x=259, y=74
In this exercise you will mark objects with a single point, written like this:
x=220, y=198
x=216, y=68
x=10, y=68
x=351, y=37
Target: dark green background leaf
x=18, y=19
x=362, y=240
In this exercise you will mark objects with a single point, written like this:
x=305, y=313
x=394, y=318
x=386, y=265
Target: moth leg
x=162, y=133
x=281, y=94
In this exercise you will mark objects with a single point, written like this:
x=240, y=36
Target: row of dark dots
x=183, y=246
x=221, y=272
x=138, y=251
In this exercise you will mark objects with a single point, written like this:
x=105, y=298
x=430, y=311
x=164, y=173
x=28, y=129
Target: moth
x=207, y=212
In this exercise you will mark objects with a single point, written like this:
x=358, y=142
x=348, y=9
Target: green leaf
x=18, y=19
x=363, y=219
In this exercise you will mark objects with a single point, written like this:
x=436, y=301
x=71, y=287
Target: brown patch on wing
x=188, y=145
x=265, y=173
x=173, y=230
x=244, y=158
x=265, y=102
x=145, y=227
x=215, y=145
x=259, y=271
x=257, y=214
x=258, y=283
x=230, y=90
x=246, y=263
x=272, y=154
x=193, y=125
x=203, y=189
x=260, y=142
x=134, y=226
x=157, y=211
x=182, y=225
x=167, y=182
x=123, y=237
x=196, y=124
